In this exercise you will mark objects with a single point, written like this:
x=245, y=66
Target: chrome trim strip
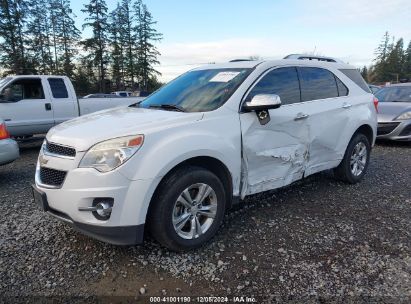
x=46, y=152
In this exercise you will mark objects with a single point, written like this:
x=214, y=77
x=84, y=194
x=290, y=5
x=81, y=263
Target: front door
x=24, y=107
x=275, y=154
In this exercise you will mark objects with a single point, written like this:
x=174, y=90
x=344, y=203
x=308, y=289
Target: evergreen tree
x=13, y=56
x=39, y=44
x=147, y=52
x=97, y=44
x=382, y=52
x=407, y=62
x=395, y=61
x=129, y=41
x=69, y=37
x=117, y=47
x=364, y=73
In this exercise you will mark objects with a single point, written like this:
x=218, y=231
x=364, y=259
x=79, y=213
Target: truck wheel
x=356, y=159
x=188, y=209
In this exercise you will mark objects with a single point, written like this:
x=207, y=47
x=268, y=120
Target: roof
x=273, y=63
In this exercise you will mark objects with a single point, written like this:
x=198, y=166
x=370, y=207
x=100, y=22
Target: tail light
x=3, y=132
x=375, y=100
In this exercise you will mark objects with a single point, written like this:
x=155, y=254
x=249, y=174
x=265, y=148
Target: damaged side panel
x=275, y=154
x=288, y=148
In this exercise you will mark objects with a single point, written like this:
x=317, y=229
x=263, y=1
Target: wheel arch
x=367, y=131
x=212, y=164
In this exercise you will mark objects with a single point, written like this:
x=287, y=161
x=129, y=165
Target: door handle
x=48, y=106
x=301, y=116
x=346, y=105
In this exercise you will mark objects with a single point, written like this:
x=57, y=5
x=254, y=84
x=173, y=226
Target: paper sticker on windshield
x=224, y=76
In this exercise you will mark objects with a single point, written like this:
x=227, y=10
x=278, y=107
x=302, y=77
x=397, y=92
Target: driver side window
x=282, y=82
x=23, y=89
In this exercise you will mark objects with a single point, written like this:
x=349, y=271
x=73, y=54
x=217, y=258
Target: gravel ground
x=316, y=239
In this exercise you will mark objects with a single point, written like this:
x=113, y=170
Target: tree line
x=41, y=37
x=392, y=62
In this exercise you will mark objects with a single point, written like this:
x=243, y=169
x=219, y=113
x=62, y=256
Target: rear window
x=356, y=77
x=394, y=94
x=317, y=83
x=58, y=88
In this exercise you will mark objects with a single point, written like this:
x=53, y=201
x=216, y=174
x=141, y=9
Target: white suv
x=176, y=162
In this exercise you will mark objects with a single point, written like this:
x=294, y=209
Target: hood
x=388, y=111
x=85, y=131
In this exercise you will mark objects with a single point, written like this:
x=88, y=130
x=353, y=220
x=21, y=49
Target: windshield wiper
x=172, y=107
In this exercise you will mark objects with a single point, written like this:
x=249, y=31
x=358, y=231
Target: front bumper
x=399, y=130
x=116, y=235
x=81, y=187
x=9, y=151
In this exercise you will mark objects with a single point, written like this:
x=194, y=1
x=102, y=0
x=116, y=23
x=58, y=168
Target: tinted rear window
x=317, y=83
x=282, y=82
x=58, y=88
x=356, y=77
x=394, y=94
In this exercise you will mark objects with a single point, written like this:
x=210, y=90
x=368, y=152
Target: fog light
x=101, y=208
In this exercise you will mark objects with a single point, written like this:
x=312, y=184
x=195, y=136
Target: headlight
x=110, y=154
x=404, y=116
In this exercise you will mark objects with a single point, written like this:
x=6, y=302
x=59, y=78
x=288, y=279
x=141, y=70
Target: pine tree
x=13, y=56
x=117, y=47
x=382, y=52
x=364, y=73
x=69, y=37
x=39, y=44
x=395, y=61
x=147, y=52
x=407, y=62
x=97, y=44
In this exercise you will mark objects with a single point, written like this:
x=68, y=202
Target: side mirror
x=262, y=102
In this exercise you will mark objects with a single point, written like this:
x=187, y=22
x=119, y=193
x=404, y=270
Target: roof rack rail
x=312, y=57
x=239, y=60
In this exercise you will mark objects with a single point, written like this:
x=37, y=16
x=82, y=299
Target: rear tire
x=356, y=159
x=188, y=209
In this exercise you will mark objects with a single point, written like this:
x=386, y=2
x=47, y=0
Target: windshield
x=198, y=91
x=4, y=81
x=394, y=94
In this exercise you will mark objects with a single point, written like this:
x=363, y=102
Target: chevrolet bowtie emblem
x=42, y=160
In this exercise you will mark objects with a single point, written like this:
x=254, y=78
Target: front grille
x=386, y=127
x=60, y=150
x=52, y=177
x=406, y=131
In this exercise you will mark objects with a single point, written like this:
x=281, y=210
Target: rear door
x=63, y=99
x=26, y=107
x=327, y=111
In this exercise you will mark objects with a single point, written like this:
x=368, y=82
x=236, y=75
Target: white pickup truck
x=32, y=104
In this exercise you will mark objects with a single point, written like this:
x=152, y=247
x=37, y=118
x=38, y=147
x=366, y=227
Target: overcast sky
x=197, y=32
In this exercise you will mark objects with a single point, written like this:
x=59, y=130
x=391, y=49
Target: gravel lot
x=317, y=238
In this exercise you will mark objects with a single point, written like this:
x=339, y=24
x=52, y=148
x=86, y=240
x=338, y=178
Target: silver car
x=9, y=150
x=394, y=112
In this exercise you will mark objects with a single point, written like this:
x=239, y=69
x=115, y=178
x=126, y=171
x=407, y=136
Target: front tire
x=356, y=159
x=188, y=209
